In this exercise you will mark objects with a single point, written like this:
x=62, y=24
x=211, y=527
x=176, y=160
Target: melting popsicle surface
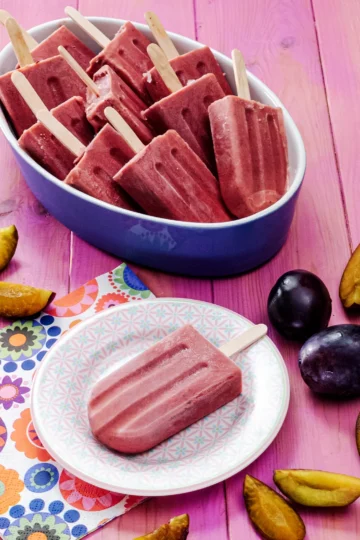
x=114, y=92
x=251, y=154
x=126, y=55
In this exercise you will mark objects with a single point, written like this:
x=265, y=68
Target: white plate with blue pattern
x=207, y=452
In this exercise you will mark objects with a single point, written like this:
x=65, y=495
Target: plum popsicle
x=48, y=47
x=250, y=148
x=109, y=90
x=167, y=179
x=165, y=389
x=52, y=79
x=39, y=143
x=125, y=53
x=96, y=164
x=188, y=67
x=186, y=108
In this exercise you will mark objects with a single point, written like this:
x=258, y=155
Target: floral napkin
x=39, y=500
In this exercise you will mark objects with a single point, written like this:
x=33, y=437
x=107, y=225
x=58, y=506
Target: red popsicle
x=170, y=386
x=186, y=109
x=250, y=148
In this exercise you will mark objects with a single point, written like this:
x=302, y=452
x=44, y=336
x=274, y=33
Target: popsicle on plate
x=250, y=148
x=167, y=179
x=52, y=79
x=186, y=109
x=125, y=53
x=165, y=389
x=188, y=67
x=107, y=89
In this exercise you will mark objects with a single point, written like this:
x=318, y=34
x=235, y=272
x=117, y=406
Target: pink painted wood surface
x=338, y=33
x=279, y=41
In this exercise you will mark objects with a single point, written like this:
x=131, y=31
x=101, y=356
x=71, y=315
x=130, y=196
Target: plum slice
x=8, y=242
x=18, y=300
x=176, y=529
x=317, y=488
x=271, y=515
x=349, y=290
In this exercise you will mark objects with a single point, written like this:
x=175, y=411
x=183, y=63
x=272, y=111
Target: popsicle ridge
x=178, y=381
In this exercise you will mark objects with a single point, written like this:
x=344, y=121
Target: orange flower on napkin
x=26, y=439
x=10, y=488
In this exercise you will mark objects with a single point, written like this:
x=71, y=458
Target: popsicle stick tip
x=163, y=67
x=160, y=35
x=241, y=81
x=29, y=40
x=19, y=44
x=87, y=26
x=249, y=337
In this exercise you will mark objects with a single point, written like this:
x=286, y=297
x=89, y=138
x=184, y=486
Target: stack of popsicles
x=142, y=127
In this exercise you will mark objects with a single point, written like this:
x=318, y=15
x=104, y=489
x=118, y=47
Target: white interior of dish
x=259, y=92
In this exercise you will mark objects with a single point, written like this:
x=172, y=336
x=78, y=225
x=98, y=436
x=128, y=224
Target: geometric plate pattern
x=207, y=452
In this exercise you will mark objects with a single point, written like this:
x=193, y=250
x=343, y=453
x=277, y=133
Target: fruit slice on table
x=176, y=529
x=270, y=513
x=21, y=300
x=350, y=282
x=357, y=433
x=8, y=242
x=318, y=488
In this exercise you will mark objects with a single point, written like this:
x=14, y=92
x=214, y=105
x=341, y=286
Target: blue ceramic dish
x=207, y=250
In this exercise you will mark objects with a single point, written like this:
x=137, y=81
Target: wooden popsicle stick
x=242, y=84
x=165, y=70
x=61, y=133
x=159, y=33
x=27, y=92
x=118, y=123
x=79, y=70
x=29, y=40
x=249, y=337
x=16, y=36
x=88, y=27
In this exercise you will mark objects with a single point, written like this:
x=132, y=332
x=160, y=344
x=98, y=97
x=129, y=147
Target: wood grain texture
x=279, y=43
x=338, y=25
x=34, y=263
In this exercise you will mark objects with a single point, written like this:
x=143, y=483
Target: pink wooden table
x=308, y=52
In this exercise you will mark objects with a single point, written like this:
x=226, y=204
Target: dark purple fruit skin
x=330, y=361
x=299, y=305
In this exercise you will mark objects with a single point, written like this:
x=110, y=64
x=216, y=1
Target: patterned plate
x=207, y=452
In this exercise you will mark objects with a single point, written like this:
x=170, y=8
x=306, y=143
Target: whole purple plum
x=299, y=305
x=330, y=361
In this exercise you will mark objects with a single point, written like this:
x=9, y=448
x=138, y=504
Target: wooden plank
x=207, y=510
x=338, y=30
x=278, y=40
x=34, y=262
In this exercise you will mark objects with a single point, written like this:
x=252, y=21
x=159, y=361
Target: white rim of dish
x=299, y=176
x=163, y=492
